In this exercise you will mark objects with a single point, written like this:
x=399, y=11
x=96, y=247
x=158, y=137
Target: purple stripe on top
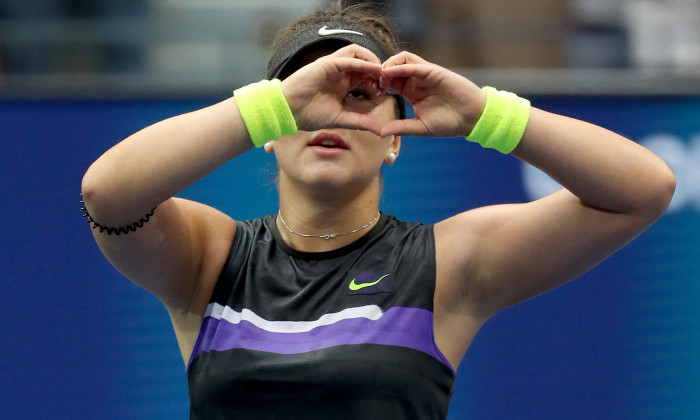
x=398, y=326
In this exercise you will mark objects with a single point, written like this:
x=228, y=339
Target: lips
x=328, y=141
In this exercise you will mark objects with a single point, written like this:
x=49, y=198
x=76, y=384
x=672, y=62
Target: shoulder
x=249, y=233
x=252, y=242
x=211, y=233
x=400, y=230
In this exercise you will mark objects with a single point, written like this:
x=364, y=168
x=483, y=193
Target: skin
x=487, y=258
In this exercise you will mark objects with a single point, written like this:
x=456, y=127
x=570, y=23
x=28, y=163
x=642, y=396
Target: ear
x=392, y=152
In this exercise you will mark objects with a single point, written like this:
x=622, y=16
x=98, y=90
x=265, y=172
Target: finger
x=401, y=58
x=409, y=127
x=358, y=121
x=356, y=51
x=387, y=81
x=401, y=73
x=347, y=64
x=421, y=70
x=371, y=86
x=425, y=75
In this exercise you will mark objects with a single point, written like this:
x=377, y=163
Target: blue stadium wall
x=80, y=341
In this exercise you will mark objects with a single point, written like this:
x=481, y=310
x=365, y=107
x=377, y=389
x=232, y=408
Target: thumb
x=358, y=121
x=409, y=127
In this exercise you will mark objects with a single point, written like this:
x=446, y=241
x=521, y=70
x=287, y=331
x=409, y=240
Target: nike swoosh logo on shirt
x=324, y=31
x=354, y=286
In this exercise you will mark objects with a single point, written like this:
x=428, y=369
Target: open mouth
x=328, y=141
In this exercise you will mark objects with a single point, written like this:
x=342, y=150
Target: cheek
x=382, y=109
x=284, y=152
x=376, y=150
x=287, y=144
x=386, y=111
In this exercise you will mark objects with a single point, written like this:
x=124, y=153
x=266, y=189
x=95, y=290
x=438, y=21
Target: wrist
x=502, y=122
x=265, y=111
x=475, y=112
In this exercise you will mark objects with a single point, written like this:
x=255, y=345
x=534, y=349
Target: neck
x=324, y=213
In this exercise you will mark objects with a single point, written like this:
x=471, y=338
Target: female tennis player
x=331, y=308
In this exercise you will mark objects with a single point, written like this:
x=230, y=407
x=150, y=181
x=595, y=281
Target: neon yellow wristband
x=265, y=111
x=502, y=124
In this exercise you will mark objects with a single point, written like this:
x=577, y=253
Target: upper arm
x=177, y=255
x=493, y=257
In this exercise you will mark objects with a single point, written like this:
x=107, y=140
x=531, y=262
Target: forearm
x=603, y=169
x=161, y=160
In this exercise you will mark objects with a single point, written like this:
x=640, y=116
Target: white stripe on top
x=218, y=311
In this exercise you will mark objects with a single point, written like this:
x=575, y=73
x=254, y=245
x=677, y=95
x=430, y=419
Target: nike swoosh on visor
x=324, y=31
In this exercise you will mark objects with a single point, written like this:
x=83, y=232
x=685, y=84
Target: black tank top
x=344, y=334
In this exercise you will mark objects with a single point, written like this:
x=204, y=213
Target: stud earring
x=268, y=146
x=392, y=157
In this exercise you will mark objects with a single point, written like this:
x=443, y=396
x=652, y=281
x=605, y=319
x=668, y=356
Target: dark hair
x=362, y=15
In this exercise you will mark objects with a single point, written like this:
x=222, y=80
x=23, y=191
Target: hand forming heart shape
x=445, y=103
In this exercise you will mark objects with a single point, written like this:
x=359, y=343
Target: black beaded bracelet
x=115, y=230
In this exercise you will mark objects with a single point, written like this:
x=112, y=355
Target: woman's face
x=339, y=157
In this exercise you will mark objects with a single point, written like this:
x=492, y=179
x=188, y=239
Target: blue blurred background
x=81, y=342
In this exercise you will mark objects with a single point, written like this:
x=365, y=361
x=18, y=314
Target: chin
x=336, y=179
x=329, y=178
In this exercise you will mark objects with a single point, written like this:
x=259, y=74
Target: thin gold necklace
x=326, y=236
